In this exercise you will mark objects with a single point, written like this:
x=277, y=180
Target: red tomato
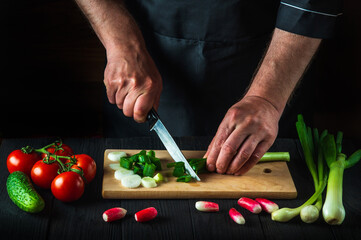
x=67, y=186
x=43, y=174
x=20, y=161
x=88, y=165
x=66, y=152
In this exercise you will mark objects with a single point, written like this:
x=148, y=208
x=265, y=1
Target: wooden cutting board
x=269, y=180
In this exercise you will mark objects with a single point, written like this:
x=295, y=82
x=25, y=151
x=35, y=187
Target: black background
x=51, y=81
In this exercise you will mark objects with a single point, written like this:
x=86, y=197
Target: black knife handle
x=152, y=118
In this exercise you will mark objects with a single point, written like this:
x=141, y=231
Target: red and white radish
x=204, y=206
x=250, y=204
x=267, y=205
x=113, y=214
x=146, y=214
x=236, y=216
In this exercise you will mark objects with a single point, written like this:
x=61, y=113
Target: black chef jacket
x=208, y=50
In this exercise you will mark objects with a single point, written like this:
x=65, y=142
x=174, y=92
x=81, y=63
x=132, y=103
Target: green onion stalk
x=333, y=210
x=310, y=213
x=311, y=145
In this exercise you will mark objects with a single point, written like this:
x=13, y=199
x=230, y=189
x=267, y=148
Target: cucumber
x=23, y=194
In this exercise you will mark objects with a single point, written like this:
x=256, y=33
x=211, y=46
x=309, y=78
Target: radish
x=113, y=214
x=146, y=214
x=207, y=206
x=249, y=204
x=267, y=205
x=116, y=156
x=236, y=216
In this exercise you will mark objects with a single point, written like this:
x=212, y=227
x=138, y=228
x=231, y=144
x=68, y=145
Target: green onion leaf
x=329, y=149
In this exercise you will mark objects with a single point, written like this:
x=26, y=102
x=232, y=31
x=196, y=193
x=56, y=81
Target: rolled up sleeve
x=311, y=18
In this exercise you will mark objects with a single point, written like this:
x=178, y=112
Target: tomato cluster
x=55, y=167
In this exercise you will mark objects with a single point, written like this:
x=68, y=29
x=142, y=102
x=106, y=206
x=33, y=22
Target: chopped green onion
x=148, y=182
x=184, y=178
x=178, y=171
x=144, y=159
x=197, y=164
x=158, y=177
x=143, y=152
x=156, y=162
x=149, y=170
x=138, y=170
x=151, y=153
x=126, y=163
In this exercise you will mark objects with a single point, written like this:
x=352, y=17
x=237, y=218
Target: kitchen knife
x=156, y=124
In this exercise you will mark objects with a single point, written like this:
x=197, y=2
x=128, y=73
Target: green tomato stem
x=27, y=149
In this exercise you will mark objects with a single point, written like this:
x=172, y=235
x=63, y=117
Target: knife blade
x=156, y=125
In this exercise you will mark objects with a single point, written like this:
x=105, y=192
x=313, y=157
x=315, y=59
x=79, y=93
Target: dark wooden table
x=177, y=218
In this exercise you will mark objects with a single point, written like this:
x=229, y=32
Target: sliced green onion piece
x=122, y=172
x=156, y=162
x=184, y=178
x=158, y=177
x=126, y=163
x=131, y=181
x=114, y=166
x=149, y=170
x=148, y=182
x=116, y=156
x=151, y=153
x=144, y=159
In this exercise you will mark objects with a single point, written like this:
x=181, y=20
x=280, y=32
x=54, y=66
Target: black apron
x=206, y=52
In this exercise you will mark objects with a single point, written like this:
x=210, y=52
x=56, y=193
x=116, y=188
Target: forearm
x=282, y=67
x=112, y=23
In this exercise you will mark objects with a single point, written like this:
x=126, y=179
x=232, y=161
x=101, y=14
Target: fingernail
x=220, y=171
x=211, y=167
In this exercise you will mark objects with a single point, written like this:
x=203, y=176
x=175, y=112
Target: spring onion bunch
x=322, y=148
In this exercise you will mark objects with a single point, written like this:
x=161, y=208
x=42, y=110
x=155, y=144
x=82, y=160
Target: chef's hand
x=247, y=131
x=132, y=81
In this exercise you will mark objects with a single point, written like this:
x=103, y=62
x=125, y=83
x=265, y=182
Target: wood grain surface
x=270, y=180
